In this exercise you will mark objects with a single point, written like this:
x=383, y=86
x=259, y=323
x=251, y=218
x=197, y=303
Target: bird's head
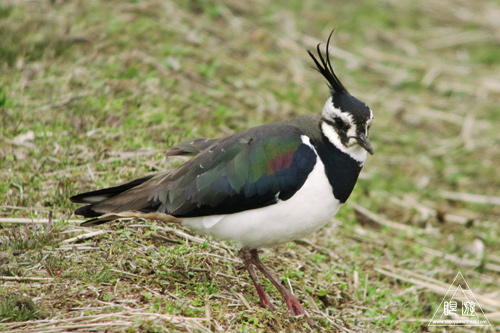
x=345, y=119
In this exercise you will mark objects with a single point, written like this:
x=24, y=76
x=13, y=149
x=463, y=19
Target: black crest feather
x=325, y=68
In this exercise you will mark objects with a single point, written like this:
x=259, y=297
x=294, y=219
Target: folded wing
x=248, y=170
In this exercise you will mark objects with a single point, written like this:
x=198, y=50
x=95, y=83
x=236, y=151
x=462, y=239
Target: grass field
x=93, y=93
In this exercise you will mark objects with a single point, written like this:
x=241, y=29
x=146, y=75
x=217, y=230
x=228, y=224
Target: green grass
x=94, y=93
x=15, y=307
x=28, y=237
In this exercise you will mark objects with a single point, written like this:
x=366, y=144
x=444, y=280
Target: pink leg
x=247, y=261
x=251, y=257
x=291, y=301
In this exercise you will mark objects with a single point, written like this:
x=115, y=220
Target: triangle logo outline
x=449, y=308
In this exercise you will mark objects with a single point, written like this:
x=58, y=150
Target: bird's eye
x=339, y=123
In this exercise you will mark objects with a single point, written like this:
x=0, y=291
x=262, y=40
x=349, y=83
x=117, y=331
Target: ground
x=93, y=93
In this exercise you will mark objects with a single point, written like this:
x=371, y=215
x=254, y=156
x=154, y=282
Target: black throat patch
x=341, y=170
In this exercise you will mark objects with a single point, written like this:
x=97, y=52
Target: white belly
x=312, y=206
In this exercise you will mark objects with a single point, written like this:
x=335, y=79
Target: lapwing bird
x=265, y=186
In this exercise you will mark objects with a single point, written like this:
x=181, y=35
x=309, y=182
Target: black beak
x=363, y=142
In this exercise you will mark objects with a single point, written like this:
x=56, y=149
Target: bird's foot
x=295, y=308
x=250, y=258
x=264, y=300
x=294, y=305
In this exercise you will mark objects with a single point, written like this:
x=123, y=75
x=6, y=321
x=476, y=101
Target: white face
x=341, y=128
